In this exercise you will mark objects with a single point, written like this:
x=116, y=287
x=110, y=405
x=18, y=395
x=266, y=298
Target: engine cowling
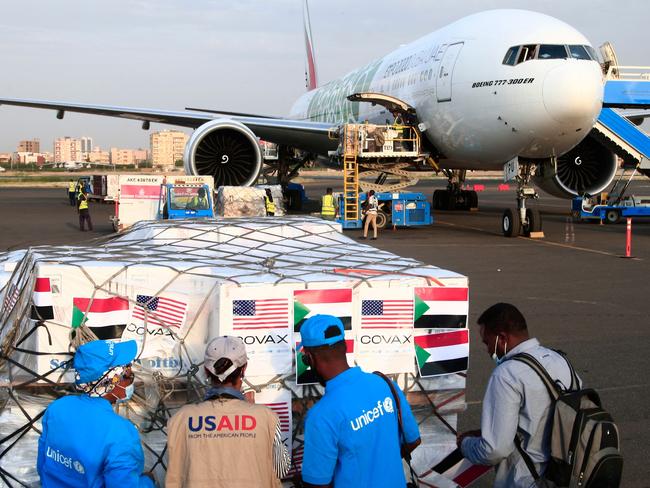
x=587, y=168
x=226, y=150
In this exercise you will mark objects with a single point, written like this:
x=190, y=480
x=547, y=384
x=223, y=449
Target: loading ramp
x=627, y=87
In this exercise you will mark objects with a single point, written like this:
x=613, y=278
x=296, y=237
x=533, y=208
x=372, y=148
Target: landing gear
x=523, y=220
x=454, y=197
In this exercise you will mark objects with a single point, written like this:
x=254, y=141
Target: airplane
x=510, y=90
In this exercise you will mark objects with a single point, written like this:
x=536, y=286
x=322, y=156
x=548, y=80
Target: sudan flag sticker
x=337, y=302
x=442, y=352
x=106, y=317
x=441, y=308
x=42, y=308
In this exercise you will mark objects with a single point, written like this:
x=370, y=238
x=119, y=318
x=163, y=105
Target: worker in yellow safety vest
x=84, y=214
x=268, y=203
x=328, y=209
x=72, y=193
x=199, y=201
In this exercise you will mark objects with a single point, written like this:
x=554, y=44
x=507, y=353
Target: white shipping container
x=172, y=286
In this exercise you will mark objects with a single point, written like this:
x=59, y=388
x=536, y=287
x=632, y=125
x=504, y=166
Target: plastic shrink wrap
x=172, y=286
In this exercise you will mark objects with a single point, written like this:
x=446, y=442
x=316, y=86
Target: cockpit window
x=527, y=52
x=519, y=54
x=511, y=56
x=578, y=52
x=592, y=53
x=552, y=51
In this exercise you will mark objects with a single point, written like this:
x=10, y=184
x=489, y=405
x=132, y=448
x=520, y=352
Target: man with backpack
x=532, y=410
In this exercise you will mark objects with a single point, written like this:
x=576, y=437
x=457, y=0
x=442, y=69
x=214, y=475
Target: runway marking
x=576, y=248
x=537, y=241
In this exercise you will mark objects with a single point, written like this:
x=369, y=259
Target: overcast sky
x=239, y=55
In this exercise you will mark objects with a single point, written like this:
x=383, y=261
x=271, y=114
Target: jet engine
x=587, y=168
x=226, y=150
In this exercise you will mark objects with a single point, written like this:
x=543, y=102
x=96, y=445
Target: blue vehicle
x=180, y=201
x=401, y=209
x=610, y=211
x=613, y=206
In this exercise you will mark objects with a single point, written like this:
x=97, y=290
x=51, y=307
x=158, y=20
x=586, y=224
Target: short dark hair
x=221, y=365
x=503, y=317
x=329, y=190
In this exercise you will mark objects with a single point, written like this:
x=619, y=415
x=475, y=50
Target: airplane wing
x=307, y=135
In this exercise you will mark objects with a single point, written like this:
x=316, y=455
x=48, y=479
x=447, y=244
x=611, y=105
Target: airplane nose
x=573, y=92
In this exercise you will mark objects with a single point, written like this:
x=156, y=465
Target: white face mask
x=128, y=393
x=498, y=360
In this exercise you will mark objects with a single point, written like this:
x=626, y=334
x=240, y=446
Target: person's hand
x=250, y=396
x=469, y=433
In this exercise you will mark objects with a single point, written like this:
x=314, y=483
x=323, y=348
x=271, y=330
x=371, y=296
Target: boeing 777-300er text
x=501, y=89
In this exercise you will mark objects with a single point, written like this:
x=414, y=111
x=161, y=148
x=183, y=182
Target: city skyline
x=246, y=56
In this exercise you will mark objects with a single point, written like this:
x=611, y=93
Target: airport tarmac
x=575, y=290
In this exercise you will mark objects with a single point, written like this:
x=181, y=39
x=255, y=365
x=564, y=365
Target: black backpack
x=584, y=443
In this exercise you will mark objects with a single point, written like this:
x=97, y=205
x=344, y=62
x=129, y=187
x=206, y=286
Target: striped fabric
x=281, y=459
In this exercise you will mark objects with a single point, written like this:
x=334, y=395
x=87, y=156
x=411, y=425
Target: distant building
x=128, y=156
x=5, y=158
x=24, y=157
x=86, y=144
x=141, y=155
x=33, y=146
x=96, y=155
x=167, y=147
x=67, y=149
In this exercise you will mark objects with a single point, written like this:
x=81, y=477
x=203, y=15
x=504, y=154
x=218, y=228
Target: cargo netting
x=172, y=286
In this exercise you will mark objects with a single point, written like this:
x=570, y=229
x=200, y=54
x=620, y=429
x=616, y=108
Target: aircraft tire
x=511, y=223
x=534, y=220
x=448, y=200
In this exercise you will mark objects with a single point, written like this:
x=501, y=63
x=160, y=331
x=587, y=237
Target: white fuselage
x=478, y=112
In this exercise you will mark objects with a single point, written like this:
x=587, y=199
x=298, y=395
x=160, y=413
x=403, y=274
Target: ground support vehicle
x=584, y=209
x=400, y=209
x=613, y=206
x=139, y=196
x=185, y=201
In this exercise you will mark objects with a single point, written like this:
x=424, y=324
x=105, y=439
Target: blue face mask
x=498, y=360
x=128, y=393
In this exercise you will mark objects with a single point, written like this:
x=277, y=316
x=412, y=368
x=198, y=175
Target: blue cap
x=95, y=358
x=312, y=332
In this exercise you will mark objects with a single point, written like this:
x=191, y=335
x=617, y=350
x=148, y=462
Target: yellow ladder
x=350, y=174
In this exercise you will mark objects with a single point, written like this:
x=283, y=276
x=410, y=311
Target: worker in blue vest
x=328, y=206
x=84, y=443
x=84, y=212
x=269, y=204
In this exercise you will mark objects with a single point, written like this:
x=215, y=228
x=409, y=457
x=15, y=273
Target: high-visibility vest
x=198, y=202
x=270, y=206
x=71, y=187
x=83, y=202
x=327, y=206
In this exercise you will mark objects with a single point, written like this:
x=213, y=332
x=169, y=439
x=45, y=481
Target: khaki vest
x=327, y=206
x=221, y=443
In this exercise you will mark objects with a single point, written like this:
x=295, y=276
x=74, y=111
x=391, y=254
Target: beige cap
x=225, y=347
